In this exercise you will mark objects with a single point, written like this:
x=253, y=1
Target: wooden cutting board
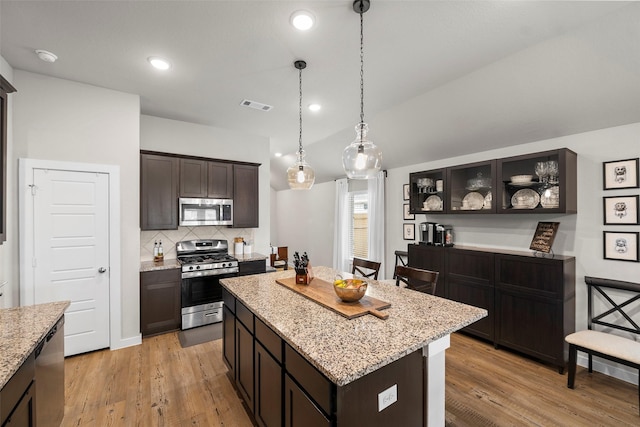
x=322, y=292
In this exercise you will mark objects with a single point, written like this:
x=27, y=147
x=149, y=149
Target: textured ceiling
x=442, y=78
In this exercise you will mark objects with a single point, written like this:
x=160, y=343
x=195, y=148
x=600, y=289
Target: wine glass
x=552, y=170
x=542, y=171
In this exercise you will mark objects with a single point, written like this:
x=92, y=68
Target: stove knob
x=197, y=267
x=224, y=265
x=190, y=267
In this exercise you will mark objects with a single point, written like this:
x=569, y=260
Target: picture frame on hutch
x=621, y=210
x=621, y=246
x=620, y=174
x=409, y=231
x=406, y=212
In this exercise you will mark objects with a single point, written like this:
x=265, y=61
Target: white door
x=71, y=252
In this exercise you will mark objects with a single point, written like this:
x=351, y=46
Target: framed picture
x=409, y=231
x=620, y=174
x=407, y=213
x=621, y=246
x=621, y=210
x=405, y=192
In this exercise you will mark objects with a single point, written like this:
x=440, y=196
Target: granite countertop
x=254, y=256
x=21, y=329
x=173, y=263
x=342, y=349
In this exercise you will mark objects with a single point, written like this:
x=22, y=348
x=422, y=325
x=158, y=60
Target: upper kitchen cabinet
x=245, y=196
x=544, y=182
x=427, y=191
x=158, y=192
x=471, y=188
x=206, y=179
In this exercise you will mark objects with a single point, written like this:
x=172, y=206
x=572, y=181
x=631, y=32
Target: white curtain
x=375, y=190
x=342, y=224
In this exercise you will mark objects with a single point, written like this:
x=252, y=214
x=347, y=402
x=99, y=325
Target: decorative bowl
x=521, y=179
x=350, y=290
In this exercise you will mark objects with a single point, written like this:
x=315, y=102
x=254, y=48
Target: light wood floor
x=161, y=384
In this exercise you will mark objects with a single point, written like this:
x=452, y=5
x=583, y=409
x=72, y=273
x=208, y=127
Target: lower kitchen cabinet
x=530, y=300
x=244, y=364
x=160, y=301
x=252, y=267
x=17, y=397
x=268, y=386
x=299, y=409
x=229, y=340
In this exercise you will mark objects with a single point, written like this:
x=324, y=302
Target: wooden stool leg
x=590, y=363
x=573, y=356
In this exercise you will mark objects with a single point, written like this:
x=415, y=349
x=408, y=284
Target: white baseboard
x=611, y=369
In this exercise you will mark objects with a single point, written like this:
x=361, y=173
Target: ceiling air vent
x=256, y=105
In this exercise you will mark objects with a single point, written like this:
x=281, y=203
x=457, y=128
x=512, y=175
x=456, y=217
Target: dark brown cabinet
x=244, y=354
x=530, y=300
x=252, y=267
x=535, y=305
x=229, y=340
x=429, y=258
x=158, y=192
x=160, y=301
x=470, y=278
x=245, y=196
x=506, y=185
x=17, y=397
x=268, y=384
x=206, y=179
x=299, y=409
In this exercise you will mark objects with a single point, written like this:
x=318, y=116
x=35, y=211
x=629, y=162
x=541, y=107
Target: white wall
x=171, y=136
x=61, y=120
x=579, y=235
x=9, y=267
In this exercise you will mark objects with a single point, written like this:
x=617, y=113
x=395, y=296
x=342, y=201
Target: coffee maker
x=435, y=234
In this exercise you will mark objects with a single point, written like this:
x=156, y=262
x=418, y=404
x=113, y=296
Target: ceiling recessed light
x=303, y=20
x=278, y=154
x=159, y=63
x=46, y=56
x=315, y=107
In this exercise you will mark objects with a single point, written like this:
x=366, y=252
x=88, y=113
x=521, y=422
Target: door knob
x=102, y=270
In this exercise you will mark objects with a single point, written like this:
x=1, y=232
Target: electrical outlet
x=387, y=397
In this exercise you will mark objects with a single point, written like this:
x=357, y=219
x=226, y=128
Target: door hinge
x=33, y=189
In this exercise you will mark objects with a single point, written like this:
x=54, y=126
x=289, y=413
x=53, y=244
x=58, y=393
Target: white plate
x=525, y=199
x=473, y=201
x=433, y=203
x=550, y=197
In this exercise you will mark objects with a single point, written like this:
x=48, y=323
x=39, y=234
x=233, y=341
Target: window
x=359, y=227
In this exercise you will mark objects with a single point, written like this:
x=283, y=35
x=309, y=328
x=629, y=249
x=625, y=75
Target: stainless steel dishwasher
x=50, y=377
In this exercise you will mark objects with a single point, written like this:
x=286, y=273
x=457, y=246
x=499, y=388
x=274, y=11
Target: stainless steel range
x=204, y=263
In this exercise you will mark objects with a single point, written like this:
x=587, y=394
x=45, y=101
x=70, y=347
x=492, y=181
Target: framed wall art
x=621, y=246
x=405, y=192
x=409, y=231
x=621, y=210
x=406, y=212
x=620, y=174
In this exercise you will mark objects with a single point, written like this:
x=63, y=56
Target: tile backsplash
x=169, y=238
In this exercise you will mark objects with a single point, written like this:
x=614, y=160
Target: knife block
x=304, y=276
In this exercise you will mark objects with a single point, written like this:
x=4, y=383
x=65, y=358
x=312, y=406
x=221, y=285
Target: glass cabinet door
x=471, y=188
x=542, y=182
x=427, y=191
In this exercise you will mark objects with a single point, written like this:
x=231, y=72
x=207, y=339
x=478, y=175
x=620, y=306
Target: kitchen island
x=24, y=333
x=336, y=371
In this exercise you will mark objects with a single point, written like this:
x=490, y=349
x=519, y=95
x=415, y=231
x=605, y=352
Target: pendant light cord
x=361, y=67
x=300, y=113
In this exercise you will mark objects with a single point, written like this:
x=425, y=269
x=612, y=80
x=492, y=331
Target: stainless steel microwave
x=206, y=212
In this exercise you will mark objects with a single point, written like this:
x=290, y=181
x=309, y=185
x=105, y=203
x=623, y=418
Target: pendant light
x=300, y=175
x=361, y=159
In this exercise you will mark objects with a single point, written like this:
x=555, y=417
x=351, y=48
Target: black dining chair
x=417, y=279
x=366, y=268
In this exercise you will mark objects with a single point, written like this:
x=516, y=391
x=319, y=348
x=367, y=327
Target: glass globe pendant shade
x=361, y=159
x=300, y=175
